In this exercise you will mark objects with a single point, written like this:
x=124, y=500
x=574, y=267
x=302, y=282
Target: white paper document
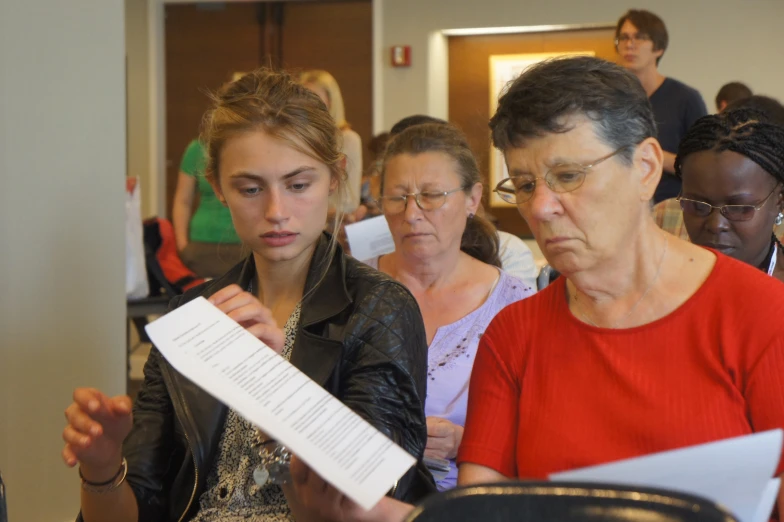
x=735, y=473
x=369, y=238
x=769, y=497
x=219, y=355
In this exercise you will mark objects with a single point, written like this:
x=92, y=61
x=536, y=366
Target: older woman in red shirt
x=648, y=343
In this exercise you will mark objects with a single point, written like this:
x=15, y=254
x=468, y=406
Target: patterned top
x=450, y=358
x=231, y=494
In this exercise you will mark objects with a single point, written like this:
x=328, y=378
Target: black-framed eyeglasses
x=560, y=178
x=429, y=200
x=703, y=209
x=635, y=38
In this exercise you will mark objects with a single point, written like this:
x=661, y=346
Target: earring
x=779, y=219
x=471, y=216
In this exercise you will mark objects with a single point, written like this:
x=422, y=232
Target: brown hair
x=648, y=23
x=273, y=102
x=732, y=92
x=480, y=239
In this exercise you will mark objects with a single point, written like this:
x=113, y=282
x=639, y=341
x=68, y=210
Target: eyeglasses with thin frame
x=560, y=178
x=636, y=38
x=703, y=209
x=429, y=200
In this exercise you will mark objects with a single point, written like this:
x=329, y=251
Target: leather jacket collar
x=326, y=294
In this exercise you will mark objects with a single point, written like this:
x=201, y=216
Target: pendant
x=260, y=476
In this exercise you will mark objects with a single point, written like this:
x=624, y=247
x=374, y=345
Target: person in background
x=641, y=39
x=771, y=107
x=731, y=92
x=183, y=456
x=668, y=213
x=645, y=344
x=326, y=87
x=732, y=167
x=206, y=239
x=516, y=257
x=447, y=256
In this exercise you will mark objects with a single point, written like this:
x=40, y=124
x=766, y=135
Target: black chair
x=565, y=502
x=546, y=276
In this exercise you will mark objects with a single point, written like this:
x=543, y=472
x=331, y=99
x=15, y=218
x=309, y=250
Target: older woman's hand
x=248, y=311
x=325, y=502
x=443, y=438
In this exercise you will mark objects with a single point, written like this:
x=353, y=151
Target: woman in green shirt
x=206, y=240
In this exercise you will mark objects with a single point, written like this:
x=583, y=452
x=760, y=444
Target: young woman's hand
x=248, y=311
x=97, y=427
x=327, y=503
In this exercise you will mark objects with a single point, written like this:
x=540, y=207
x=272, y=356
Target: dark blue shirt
x=676, y=107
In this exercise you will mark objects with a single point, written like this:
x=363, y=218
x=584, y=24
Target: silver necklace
x=275, y=458
x=635, y=305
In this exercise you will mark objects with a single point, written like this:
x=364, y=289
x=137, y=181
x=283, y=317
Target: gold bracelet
x=108, y=486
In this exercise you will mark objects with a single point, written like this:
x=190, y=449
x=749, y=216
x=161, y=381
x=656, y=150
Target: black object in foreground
x=566, y=502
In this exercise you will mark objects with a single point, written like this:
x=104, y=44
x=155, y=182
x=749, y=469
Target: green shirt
x=211, y=223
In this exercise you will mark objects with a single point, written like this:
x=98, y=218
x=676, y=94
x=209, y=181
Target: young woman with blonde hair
x=274, y=161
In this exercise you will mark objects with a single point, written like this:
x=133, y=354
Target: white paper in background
x=369, y=238
x=220, y=356
x=735, y=473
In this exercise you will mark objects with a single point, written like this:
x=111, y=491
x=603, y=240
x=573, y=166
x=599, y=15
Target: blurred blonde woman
x=326, y=87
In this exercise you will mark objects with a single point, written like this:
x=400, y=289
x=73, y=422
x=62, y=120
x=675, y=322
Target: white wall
x=711, y=42
x=137, y=47
x=62, y=167
x=144, y=46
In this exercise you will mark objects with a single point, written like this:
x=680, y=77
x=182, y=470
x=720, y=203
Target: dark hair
x=539, y=101
x=770, y=107
x=410, y=121
x=377, y=144
x=648, y=23
x=480, y=239
x=745, y=131
x=731, y=92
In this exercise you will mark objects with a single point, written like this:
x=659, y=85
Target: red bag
x=165, y=270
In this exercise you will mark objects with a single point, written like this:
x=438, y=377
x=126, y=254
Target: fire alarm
x=401, y=56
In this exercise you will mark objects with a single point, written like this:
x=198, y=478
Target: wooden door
x=205, y=45
x=469, y=88
x=336, y=37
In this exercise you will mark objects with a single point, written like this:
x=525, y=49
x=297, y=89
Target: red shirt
x=550, y=393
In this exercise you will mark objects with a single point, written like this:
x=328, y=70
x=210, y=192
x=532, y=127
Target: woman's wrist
x=100, y=474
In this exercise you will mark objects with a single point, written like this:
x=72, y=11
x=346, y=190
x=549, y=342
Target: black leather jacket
x=3, y=510
x=360, y=335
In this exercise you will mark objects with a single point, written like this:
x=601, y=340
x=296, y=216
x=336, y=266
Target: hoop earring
x=779, y=219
